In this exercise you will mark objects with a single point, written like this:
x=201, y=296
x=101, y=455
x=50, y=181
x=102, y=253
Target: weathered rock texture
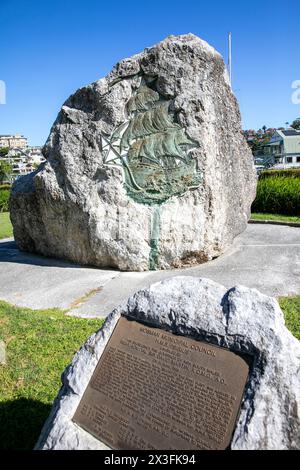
x=76, y=207
x=240, y=319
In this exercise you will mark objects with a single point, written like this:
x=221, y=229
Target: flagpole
x=230, y=57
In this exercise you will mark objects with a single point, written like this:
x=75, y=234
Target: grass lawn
x=276, y=217
x=291, y=309
x=39, y=345
x=5, y=225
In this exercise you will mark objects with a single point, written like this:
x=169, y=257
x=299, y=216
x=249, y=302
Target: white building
x=13, y=141
x=284, y=146
x=24, y=161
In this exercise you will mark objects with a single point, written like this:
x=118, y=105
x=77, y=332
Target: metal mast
x=230, y=57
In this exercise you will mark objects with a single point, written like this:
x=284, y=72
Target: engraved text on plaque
x=155, y=390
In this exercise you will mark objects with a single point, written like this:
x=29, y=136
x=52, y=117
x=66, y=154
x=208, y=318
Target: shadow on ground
x=21, y=421
x=9, y=252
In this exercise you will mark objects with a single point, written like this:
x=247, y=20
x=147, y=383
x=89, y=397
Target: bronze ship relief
x=153, y=149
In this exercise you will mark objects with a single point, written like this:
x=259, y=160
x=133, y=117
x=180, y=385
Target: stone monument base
x=241, y=320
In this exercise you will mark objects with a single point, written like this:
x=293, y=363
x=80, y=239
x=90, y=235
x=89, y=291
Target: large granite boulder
x=146, y=168
x=241, y=319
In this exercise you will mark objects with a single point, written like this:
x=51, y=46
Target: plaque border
x=248, y=358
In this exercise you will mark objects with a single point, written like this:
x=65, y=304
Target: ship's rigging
x=153, y=149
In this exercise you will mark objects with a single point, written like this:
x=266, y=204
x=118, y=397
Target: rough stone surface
x=241, y=319
x=77, y=208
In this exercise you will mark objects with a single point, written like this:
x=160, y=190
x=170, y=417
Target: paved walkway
x=266, y=257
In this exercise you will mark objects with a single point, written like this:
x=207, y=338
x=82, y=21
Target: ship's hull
x=148, y=184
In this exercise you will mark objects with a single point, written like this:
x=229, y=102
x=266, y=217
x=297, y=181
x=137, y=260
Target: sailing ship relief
x=153, y=149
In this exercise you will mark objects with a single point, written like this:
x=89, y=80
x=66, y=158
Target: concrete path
x=266, y=257
x=38, y=282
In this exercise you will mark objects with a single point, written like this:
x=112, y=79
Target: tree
x=4, y=151
x=296, y=124
x=5, y=171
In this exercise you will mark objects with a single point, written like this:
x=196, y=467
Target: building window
x=289, y=159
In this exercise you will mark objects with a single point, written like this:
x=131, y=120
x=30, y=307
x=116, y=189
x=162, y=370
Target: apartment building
x=13, y=141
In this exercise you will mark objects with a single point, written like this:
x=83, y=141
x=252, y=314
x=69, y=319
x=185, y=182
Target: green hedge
x=278, y=195
x=291, y=173
x=4, y=197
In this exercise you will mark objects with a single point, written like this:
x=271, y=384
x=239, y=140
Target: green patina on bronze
x=154, y=151
x=154, y=237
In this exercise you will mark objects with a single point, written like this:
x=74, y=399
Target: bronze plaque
x=155, y=390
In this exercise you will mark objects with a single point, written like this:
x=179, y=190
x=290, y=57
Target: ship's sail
x=156, y=146
x=144, y=98
x=147, y=123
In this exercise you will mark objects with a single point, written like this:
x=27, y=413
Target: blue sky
x=50, y=48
